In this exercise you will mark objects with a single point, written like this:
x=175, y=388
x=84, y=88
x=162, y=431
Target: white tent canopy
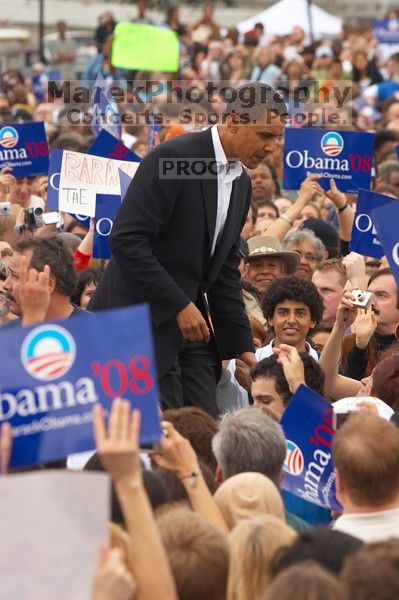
x=283, y=16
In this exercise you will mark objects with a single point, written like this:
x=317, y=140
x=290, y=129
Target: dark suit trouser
x=192, y=379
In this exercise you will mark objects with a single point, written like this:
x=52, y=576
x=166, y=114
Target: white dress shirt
x=370, y=527
x=227, y=172
x=266, y=351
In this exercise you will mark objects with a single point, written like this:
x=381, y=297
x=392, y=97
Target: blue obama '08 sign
x=343, y=156
x=364, y=238
x=53, y=373
x=106, y=208
x=106, y=115
x=386, y=31
x=108, y=146
x=386, y=218
x=23, y=147
x=308, y=467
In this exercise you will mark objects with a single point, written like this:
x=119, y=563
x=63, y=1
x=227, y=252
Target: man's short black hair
x=269, y=367
x=253, y=99
x=293, y=288
x=52, y=251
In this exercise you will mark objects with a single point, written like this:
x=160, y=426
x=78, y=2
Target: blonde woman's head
x=253, y=543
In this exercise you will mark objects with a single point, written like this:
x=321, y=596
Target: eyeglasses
x=4, y=271
x=311, y=258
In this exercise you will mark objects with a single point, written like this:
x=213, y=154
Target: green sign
x=143, y=47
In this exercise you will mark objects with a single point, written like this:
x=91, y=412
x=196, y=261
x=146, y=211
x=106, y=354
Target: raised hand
x=176, y=453
x=355, y=271
x=310, y=188
x=34, y=292
x=6, y=181
x=335, y=195
x=292, y=364
x=118, y=444
x=112, y=580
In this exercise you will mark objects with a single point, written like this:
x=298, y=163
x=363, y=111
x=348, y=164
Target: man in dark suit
x=175, y=245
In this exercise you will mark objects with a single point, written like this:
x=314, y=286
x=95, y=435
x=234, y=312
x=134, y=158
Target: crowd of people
x=250, y=290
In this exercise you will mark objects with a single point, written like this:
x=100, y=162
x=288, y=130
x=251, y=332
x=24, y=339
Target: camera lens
x=4, y=272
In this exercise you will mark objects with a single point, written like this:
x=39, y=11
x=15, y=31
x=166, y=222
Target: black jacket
x=161, y=242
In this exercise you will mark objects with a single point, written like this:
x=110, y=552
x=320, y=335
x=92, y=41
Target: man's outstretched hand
x=192, y=324
x=244, y=363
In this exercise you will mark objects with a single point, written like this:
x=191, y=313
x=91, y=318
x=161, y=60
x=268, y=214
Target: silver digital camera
x=5, y=208
x=35, y=218
x=362, y=298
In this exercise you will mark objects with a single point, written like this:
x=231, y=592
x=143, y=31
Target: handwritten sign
x=145, y=47
x=75, y=179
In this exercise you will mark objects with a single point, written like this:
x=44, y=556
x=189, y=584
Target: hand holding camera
x=364, y=327
x=34, y=217
x=346, y=312
x=344, y=408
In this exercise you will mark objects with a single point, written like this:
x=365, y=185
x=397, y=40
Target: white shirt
x=261, y=353
x=228, y=171
x=370, y=527
x=78, y=461
x=268, y=351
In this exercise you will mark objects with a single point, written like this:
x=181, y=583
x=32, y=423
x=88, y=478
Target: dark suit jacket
x=161, y=243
